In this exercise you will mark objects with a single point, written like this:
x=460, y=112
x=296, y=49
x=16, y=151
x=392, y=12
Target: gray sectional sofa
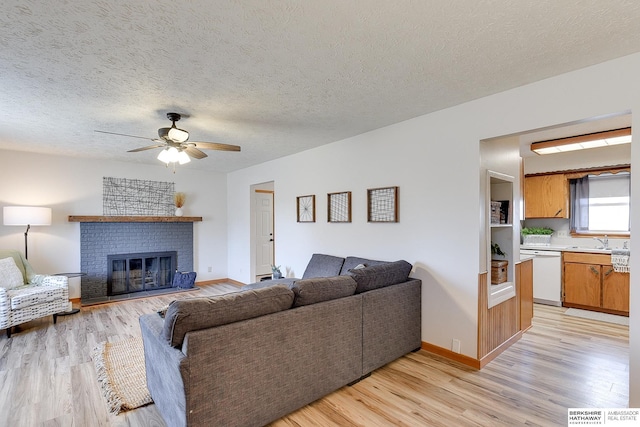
x=248, y=358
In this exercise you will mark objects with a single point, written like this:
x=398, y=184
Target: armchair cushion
x=28, y=296
x=10, y=275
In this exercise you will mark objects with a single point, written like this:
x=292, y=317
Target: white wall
x=435, y=161
x=73, y=186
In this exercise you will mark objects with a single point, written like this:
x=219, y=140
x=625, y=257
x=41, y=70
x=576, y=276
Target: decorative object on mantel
x=382, y=204
x=306, y=207
x=128, y=197
x=179, y=198
x=339, y=207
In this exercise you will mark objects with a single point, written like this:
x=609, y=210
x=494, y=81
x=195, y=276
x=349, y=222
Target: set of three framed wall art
x=382, y=206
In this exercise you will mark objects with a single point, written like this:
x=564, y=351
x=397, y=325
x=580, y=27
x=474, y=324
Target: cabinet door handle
x=594, y=270
x=558, y=213
x=608, y=272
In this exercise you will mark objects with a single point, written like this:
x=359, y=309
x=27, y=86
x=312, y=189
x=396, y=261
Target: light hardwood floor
x=47, y=377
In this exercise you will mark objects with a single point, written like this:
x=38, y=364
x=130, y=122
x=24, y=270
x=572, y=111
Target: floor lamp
x=26, y=215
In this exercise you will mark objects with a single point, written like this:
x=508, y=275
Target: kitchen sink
x=587, y=249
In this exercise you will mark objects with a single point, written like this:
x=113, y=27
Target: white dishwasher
x=547, y=276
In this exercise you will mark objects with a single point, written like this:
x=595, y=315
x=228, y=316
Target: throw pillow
x=379, y=276
x=312, y=291
x=10, y=275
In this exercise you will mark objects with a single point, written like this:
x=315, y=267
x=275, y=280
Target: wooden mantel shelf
x=78, y=218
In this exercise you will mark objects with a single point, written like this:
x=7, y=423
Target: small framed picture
x=382, y=204
x=339, y=207
x=306, y=207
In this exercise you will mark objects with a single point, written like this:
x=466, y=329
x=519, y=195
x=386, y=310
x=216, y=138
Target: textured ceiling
x=276, y=77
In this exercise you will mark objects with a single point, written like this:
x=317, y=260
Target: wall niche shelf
x=500, y=230
x=85, y=218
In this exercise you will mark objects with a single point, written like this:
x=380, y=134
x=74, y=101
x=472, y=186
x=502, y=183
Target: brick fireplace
x=99, y=240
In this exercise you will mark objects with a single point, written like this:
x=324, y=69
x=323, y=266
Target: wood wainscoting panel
x=498, y=326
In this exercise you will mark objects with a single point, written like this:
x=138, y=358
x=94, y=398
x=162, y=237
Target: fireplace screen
x=140, y=272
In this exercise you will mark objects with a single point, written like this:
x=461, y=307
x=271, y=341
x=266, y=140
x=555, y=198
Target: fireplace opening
x=138, y=272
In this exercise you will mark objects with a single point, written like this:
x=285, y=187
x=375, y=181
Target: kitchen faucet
x=604, y=241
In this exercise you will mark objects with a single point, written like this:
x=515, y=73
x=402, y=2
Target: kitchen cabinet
x=615, y=290
x=589, y=282
x=546, y=196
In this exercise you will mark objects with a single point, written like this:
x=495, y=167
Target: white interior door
x=264, y=231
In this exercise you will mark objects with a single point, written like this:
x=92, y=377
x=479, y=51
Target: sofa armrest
x=166, y=367
x=46, y=280
x=5, y=307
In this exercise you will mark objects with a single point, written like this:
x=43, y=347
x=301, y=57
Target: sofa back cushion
x=352, y=262
x=312, y=291
x=193, y=314
x=322, y=265
x=381, y=275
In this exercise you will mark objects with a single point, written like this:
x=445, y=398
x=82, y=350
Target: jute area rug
x=121, y=374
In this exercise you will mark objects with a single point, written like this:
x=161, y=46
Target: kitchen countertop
x=566, y=249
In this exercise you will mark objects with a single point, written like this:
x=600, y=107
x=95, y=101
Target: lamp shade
x=26, y=215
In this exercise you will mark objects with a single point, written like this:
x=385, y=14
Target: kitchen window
x=600, y=203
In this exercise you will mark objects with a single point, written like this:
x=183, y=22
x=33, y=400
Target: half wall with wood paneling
x=498, y=326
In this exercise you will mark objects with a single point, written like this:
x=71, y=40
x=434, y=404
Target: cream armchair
x=37, y=296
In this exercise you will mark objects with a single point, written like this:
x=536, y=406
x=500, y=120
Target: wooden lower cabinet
x=582, y=284
x=615, y=290
x=590, y=282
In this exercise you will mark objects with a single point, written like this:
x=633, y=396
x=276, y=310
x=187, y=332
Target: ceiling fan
x=176, y=145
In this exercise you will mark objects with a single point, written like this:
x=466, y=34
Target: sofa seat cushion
x=193, y=314
x=379, y=276
x=322, y=265
x=27, y=296
x=352, y=262
x=319, y=289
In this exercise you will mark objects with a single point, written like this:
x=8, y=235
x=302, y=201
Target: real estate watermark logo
x=600, y=416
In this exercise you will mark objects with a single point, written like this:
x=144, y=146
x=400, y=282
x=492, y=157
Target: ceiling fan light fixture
x=183, y=158
x=164, y=156
x=178, y=135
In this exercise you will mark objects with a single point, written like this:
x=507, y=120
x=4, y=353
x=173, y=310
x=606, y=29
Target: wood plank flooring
x=47, y=377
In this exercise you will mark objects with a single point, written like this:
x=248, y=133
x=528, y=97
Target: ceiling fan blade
x=216, y=146
x=123, y=134
x=195, y=153
x=135, y=150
